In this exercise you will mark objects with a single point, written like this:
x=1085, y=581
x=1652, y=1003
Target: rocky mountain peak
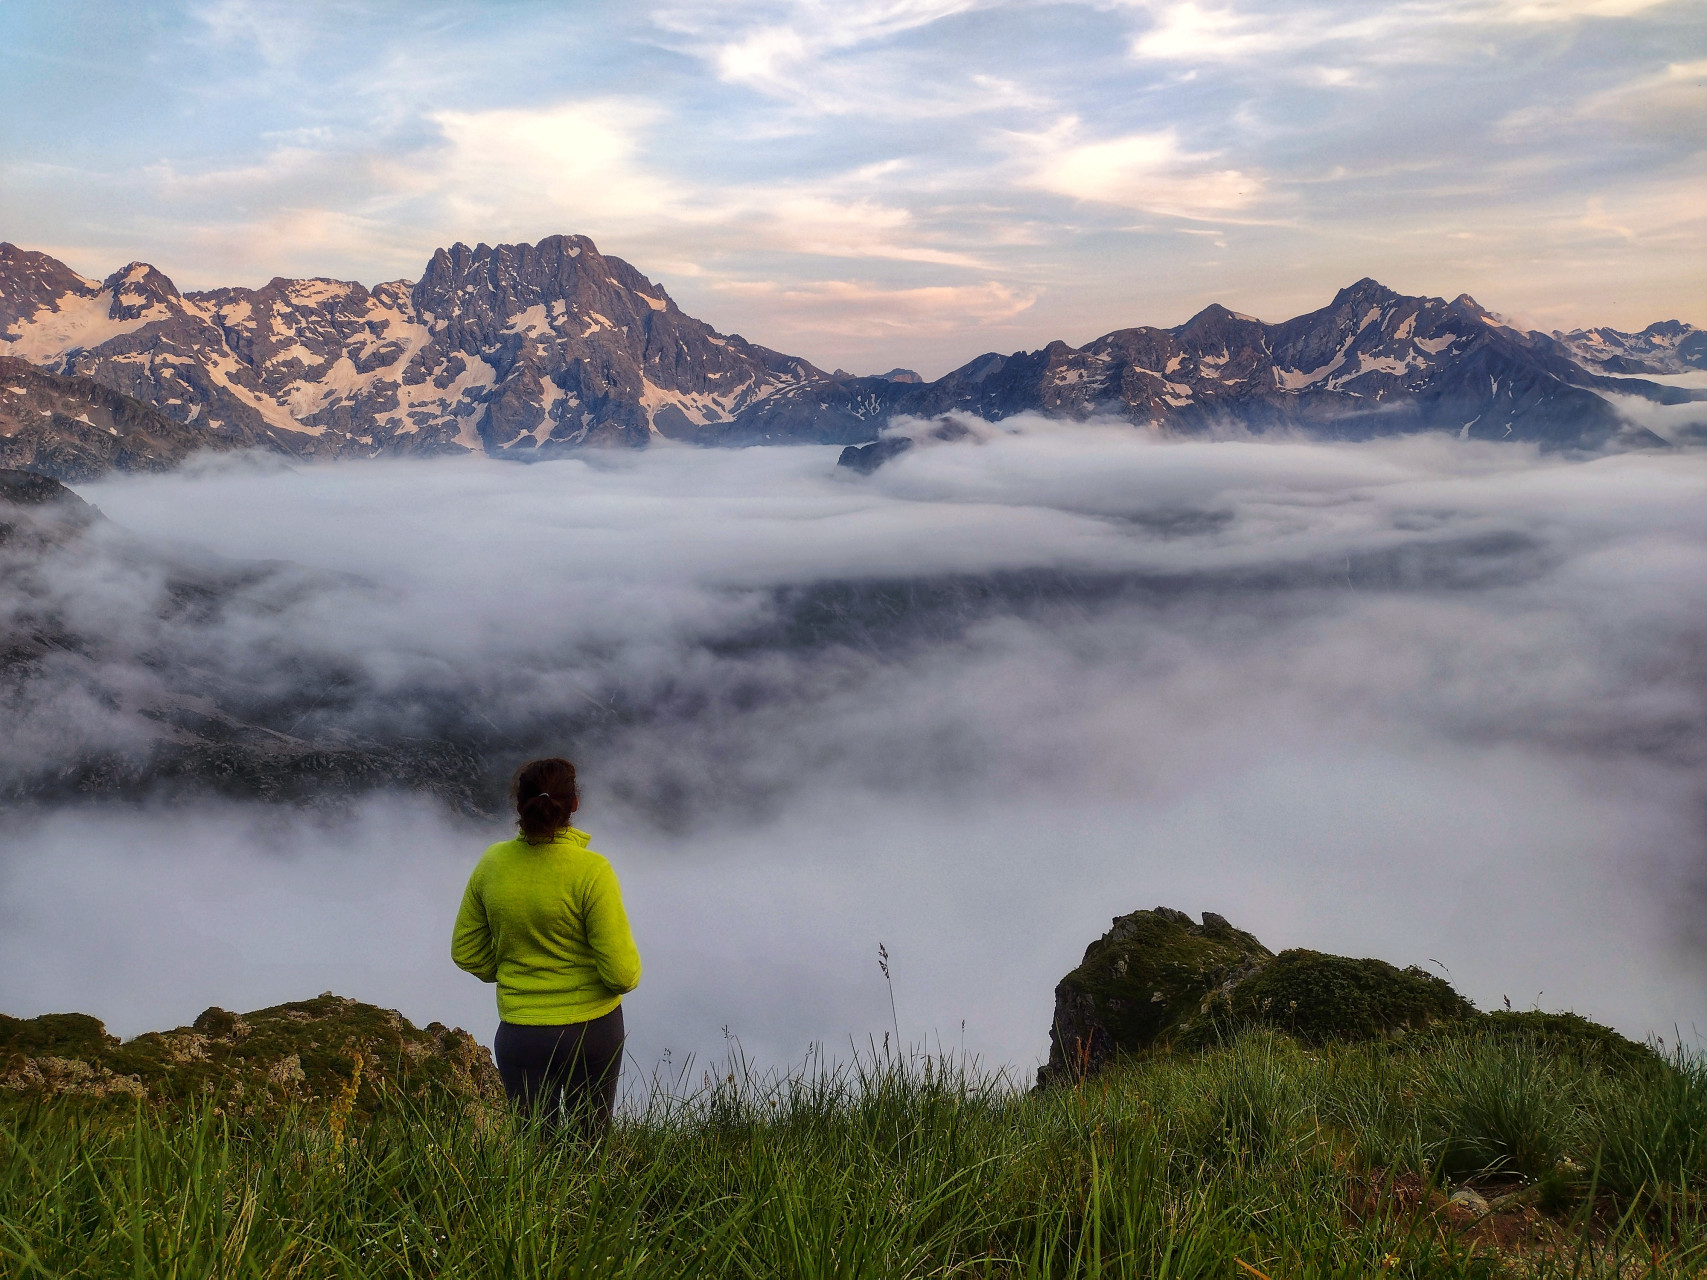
x=1469, y=306
x=1365, y=292
x=1664, y=347
x=1218, y=326
x=33, y=282
x=137, y=289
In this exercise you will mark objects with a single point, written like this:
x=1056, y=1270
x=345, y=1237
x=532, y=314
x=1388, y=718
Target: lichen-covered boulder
x=1150, y=973
x=1320, y=997
x=329, y=1051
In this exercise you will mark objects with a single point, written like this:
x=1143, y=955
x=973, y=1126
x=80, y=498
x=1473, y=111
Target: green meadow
x=1260, y=1157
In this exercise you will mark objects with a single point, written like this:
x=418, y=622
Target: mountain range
x=530, y=351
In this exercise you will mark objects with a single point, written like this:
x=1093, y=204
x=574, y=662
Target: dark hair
x=545, y=796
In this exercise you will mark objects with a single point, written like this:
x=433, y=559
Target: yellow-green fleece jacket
x=546, y=923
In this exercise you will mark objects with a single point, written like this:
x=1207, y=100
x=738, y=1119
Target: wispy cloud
x=1412, y=30
x=1538, y=153
x=1669, y=103
x=835, y=57
x=1151, y=172
x=858, y=308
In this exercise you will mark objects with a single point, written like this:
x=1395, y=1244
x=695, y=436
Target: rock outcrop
x=1151, y=975
x=1157, y=979
x=326, y=1052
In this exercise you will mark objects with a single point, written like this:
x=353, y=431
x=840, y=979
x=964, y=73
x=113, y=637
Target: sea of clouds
x=1433, y=701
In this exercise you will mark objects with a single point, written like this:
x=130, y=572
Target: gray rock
x=1470, y=1201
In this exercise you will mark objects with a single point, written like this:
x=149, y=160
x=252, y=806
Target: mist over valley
x=1421, y=698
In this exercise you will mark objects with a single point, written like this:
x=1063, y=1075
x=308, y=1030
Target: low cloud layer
x=1413, y=699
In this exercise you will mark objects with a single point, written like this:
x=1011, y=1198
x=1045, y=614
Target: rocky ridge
x=1667, y=348
x=1158, y=979
x=329, y=1053
x=529, y=351
x=1372, y=363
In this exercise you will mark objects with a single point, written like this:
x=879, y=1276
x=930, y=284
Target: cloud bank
x=1412, y=698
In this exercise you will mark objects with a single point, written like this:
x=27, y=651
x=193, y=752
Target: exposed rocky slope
x=330, y=1053
x=530, y=350
x=1159, y=979
x=75, y=428
x=38, y=512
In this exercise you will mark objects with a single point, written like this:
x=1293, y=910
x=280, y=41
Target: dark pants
x=563, y=1073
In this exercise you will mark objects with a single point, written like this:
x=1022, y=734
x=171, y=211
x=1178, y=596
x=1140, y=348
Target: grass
x=1260, y=1158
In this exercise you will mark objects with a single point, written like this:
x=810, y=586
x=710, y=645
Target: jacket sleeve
x=471, y=941
x=608, y=934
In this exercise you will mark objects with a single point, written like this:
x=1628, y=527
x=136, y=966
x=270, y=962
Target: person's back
x=543, y=918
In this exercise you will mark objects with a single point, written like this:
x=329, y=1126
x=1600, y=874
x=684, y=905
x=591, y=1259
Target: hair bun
x=545, y=796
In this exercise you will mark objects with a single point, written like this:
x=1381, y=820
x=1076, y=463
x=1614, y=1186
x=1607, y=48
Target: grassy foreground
x=1264, y=1158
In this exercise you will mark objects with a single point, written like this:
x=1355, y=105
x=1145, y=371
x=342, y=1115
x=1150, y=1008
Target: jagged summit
x=1365, y=292
x=529, y=350
x=504, y=348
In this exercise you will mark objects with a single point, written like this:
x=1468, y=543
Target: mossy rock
x=1319, y=997
x=1151, y=973
x=326, y=1052
x=1158, y=981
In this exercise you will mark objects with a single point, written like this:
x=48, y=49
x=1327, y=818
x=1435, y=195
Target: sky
x=872, y=183
x=1435, y=701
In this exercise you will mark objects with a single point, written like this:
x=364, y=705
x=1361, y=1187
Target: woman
x=542, y=917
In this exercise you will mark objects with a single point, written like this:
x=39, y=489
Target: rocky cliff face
x=530, y=350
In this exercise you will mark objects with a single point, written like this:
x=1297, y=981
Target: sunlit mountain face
x=538, y=351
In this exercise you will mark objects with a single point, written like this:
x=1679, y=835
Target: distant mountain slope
x=530, y=350
x=1669, y=347
x=77, y=429
x=1372, y=362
